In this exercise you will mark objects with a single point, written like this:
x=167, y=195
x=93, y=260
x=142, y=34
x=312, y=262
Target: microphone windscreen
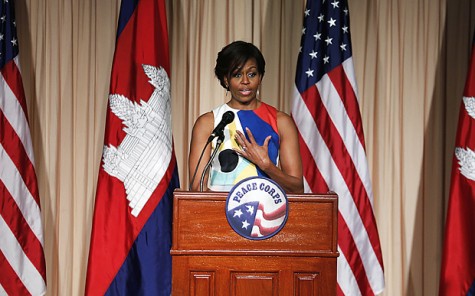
x=228, y=117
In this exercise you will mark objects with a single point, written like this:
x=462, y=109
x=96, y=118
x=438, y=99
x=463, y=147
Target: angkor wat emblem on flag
x=143, y=156
x=466, y=156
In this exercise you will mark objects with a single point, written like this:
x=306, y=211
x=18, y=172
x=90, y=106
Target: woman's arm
x=200, y=134
x=289, y=174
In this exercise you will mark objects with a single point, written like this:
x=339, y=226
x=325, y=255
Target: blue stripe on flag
x=147, y=270
x=471, y=291
x=127, y=8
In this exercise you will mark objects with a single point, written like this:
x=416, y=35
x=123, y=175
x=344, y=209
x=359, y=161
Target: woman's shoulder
x=285, y=122
x=205, y=116
x=205, y=119
x=281, y=115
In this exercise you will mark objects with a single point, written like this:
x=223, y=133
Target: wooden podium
x=209, y=258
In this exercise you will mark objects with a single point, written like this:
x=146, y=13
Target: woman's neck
x=251, y=105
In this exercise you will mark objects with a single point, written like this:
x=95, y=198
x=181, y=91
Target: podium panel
x=209, y=258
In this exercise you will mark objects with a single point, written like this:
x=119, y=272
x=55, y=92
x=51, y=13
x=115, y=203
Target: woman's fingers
x=266, y=141
x=251, y=136
x=242, y=140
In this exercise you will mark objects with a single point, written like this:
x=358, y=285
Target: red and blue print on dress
x=228, y=167
x=261, y=128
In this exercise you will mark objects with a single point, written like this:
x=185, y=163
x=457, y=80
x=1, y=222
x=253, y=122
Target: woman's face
x=244, y=83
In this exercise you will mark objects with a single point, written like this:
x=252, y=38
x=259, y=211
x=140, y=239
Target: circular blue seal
x=257, y=208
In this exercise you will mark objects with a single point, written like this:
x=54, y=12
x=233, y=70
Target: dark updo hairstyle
x=233, y=57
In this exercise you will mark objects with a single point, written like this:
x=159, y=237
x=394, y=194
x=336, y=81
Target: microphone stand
x=219, y=141
x=199, y=161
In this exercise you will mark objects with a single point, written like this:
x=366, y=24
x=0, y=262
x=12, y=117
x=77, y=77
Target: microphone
x=227, y=118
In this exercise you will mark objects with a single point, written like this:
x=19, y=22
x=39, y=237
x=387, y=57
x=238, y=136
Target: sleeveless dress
x=228, y=168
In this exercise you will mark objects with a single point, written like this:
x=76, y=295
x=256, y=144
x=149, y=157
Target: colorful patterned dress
x=228, y=168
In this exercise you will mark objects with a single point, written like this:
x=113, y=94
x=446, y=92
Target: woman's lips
x=245, y=92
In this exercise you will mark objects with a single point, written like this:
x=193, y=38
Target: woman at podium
x=248, y=137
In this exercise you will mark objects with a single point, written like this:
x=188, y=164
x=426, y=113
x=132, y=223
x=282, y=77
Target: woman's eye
x=237, y=75
x=252, y=74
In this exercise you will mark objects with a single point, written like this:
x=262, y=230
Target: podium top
x=200, y=227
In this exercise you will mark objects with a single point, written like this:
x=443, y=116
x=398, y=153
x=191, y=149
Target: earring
x=227, y=90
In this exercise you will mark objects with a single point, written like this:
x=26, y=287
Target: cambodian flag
x=131, y=234
x=457, y=273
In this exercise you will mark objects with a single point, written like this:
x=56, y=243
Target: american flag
x=326, y=112
x=22, y=264
x=457, y=274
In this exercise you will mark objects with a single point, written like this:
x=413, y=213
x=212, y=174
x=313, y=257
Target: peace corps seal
x=257, y=208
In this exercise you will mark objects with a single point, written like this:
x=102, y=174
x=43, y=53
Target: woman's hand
x=252, y=151
x=289, y=172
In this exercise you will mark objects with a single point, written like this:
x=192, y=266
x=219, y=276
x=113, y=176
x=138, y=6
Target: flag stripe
x=143, y=258
x=347, y=284
x=10, y=284
x=340, y=154
x=30, y=210
x=339, y=291
x=17, y=153
x=12, y=76
x=348, y=134
x=22, y=266
x=359, y=157
x=326, y=112
x=333, y=178
x=346, y=245
x=349, y=101
x=12, y=216
x=127, y=8
x=15, y=113
x=310, y=170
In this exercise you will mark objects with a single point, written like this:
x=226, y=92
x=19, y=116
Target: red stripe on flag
x=348, y=97
x=15, y=149
x=345, y=239
x=310, y=170
x=339, y=292
x=350, y=250
x=9, y=279
x=343, y=161
x=12, y=76
x=28, y=241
